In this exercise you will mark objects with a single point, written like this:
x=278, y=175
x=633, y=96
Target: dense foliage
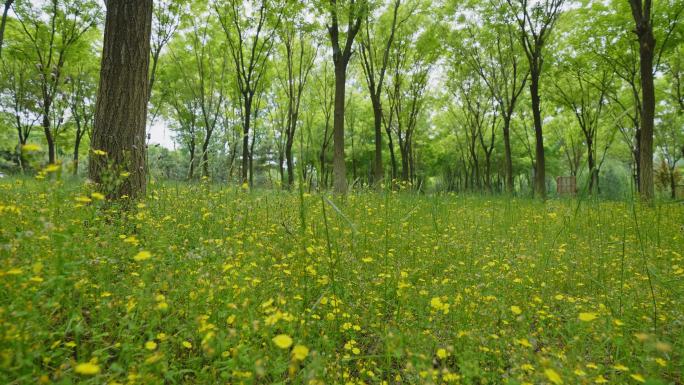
x=445, y=95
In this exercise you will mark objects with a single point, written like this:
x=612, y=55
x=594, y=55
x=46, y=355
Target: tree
x=582, y=88
x=118, y=141
x=165, y=22
x=202, y=77
x=82, y=96
x=642, y=14
x=250, y=33
x=18, y=92
x=493, y=53
x=536, y=21
x=375, y=55
x=53, y=42
x=412, y=59
x=341, y=54
x=299, y=60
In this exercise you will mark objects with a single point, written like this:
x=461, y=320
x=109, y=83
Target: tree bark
x=77, y=144
x=8, y=4
x=378, y=171
x=52, y=156
x=540, y=167
x=507, y=154
x=290, y=161
x=339, y=165
x=245, y=141
x=644, y=31
x=191, y=168
x=121, y=109
x=673, y=183
x=591, y=162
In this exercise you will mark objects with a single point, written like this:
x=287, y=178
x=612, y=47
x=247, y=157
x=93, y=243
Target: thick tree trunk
x=3, y=23
x=508, y=158
x=673, y=183
x=121, y=109
x=540, y=168
x=339, y=165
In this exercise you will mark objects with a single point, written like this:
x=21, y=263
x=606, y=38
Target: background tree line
x=495, y=96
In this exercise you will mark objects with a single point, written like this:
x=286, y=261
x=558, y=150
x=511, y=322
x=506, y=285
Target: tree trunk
x=205, y=156
x=8, y=4
x=404, y=162
x=251, y=159
x=591, y=162
x=289, y=160
x=648, y=102
x=191, y=171
x=77, y=145
x=508, y=156
x=121, y=109
x=540, y=170
x=393, y=157
x=339, y=165
x=281, y=169
x=378, y=172
x=673, y=182
x=52, y=156
x=323, y=179
x=245, y=141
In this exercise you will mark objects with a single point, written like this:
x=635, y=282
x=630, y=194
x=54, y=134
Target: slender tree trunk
x=339, y=165
x=540, y=167
x=245, y=141
x=52, y=156
x=591, y=162
x=290, y=161
x=205, y=156
x=378, y=171
x=321, y=159
x=191, y=171
x=121, y=109
x=3, y=23
x=508, y=156
x=251, y=159
x=393, y=157
x=77, y=145
x=673, y=182
x=281, y=169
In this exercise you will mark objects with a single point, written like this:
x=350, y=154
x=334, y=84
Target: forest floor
x=203, y=284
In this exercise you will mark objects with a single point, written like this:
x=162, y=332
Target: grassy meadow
x=209, y=284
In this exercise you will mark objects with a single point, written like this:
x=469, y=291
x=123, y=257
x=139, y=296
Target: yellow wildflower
x=300, y=352
x=87, y=369
x=282, y=341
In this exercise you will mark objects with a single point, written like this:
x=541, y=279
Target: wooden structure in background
x=566, y=185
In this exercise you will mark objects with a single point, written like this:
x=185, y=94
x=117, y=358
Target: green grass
x=379, y=287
